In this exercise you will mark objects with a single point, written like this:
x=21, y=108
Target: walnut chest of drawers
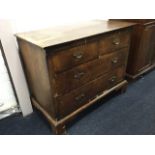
x=70, y=68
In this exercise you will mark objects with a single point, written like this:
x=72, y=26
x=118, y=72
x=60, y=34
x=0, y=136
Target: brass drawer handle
x=116, y=41
x=113, y=79
x=115, y=61
x=79, y=75
x=78, y=55
x=80, y=97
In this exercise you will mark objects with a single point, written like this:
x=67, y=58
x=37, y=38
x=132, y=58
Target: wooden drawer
x=114, y=41
x=74, y=100
x=84, y=73
x=68, y=58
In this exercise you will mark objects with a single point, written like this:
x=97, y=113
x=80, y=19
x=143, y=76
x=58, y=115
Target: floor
x=131, y=113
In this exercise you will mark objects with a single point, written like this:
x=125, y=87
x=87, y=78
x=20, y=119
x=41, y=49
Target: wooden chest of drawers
x=68, y=69
x=142, y=51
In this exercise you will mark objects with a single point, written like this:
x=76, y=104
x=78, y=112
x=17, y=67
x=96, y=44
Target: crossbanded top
x=63, y=34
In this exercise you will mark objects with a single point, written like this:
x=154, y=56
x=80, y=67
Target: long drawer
x=84, y=73
x=71, y=57
x=113, y=42
x=74, y=100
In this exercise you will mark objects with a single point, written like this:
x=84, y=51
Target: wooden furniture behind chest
x=142, y=51
x=70, y=68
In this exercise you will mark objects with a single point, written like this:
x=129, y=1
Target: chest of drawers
x=70, y=68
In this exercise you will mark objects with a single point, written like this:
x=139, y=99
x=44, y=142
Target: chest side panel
x=34, y=63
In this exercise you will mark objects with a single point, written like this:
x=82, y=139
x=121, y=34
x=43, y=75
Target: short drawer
x=74, y=100
x=84, y=73
x=114, y=41
x=68, y=58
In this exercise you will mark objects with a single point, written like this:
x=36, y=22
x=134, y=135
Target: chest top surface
x=62, y=34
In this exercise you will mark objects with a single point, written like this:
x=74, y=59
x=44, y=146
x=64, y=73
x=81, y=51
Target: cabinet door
x=152, y=43
x=144, y=58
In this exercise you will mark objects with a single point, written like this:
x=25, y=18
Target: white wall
x=7, y=97
x=21, y=25
x=11, y=52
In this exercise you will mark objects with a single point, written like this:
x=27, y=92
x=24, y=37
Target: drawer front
x=114, y=41
x=84, y=73
x=74, y=100
x=66, y=59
